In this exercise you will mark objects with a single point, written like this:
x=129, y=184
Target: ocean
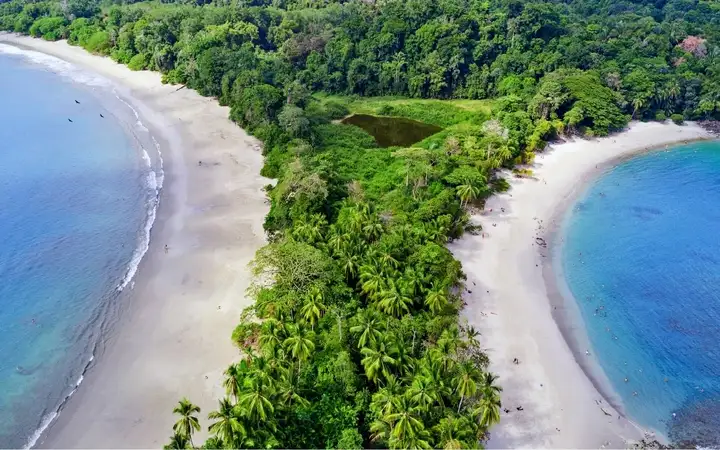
x=641, y=257
x=78, y=194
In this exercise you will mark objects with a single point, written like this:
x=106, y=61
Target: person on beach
x=166, y=248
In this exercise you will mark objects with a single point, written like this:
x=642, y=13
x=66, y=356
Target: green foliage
x=98, y=42
x=354, y=338
x=49, y=28
x=138, y=62
x=677, y=118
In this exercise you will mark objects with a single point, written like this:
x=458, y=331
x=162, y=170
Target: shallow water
x=75, y=201
x=392, y=131
x=641, y=255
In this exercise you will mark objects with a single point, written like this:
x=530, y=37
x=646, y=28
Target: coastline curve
x=173, y=336
x=511, y=303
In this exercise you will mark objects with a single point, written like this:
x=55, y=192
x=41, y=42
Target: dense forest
x=354, y=339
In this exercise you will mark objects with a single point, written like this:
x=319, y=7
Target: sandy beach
x=516, y=306
x=173, y=339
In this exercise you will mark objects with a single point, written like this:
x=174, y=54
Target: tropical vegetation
x=353, y=339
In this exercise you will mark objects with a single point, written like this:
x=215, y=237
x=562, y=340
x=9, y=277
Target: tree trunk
x=462, y=397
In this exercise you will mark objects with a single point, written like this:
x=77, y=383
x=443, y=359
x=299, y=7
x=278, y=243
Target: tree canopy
x=353, y=339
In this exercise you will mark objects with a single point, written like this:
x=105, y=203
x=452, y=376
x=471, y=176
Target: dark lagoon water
x=77, y=201
x=392, y=131
x=642, y=258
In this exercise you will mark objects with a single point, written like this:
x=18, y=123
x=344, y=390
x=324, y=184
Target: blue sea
x=641, y=256
x=77, y=200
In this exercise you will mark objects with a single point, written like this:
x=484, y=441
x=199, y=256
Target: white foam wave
x=161, y=164
x=47, y=420
x=57, y=66
x=153, y=181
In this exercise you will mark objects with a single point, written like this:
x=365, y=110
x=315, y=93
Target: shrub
x=660, y=116
x=121, y=56
x=49, y=28
x=336, y=110
x=138, y=62
x=677, y=118
x=385, y=110
x=99, y=42
x=245, y=334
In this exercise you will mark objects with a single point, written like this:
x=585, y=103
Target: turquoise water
x=76, y=202
x=642, y=257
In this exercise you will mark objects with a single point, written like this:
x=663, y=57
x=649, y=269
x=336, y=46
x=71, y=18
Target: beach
x=521, y=311
x=173, y=338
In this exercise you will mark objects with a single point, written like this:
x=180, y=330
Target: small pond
x=392, y=131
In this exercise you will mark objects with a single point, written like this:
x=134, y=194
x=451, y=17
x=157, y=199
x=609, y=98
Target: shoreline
x=566, y=311
x=172, y=338
x=521, y=310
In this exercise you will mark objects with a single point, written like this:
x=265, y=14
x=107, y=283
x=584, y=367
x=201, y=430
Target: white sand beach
x=513, y=300
x=174, y=337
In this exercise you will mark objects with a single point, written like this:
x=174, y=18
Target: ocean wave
x=153, y=180
x=49, y=418
x=57, y=66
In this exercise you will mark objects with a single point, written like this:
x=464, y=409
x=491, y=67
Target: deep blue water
x=642, y=258
x=74, y=201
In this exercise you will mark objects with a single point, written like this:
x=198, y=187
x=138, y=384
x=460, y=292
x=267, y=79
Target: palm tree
x=436, y=377
x=350, y=265
x=383, y=401
x=436, y=299
x=307, y=232
x=188, y=422
x=313, y=309
x=467, y=193
x=369, y=326
x=226, y=425
x=372, y=231
x=637, y=103
x=489, y=405
x=466, y=381
x=408, y=431
x=412, y=282
x=261, y=369
x=380, y=430
x=393, y=300
x=338, y=242
x=232, y=381
x=402, y=353
x=289, y=389
x=299, y=344
x=454, y=433
x=371, y=279
x=255, y=403
x=487, y=410
x=272, y=335
x=421, y=393
x=177, y=441
x=378, y=361
x=388, y=261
